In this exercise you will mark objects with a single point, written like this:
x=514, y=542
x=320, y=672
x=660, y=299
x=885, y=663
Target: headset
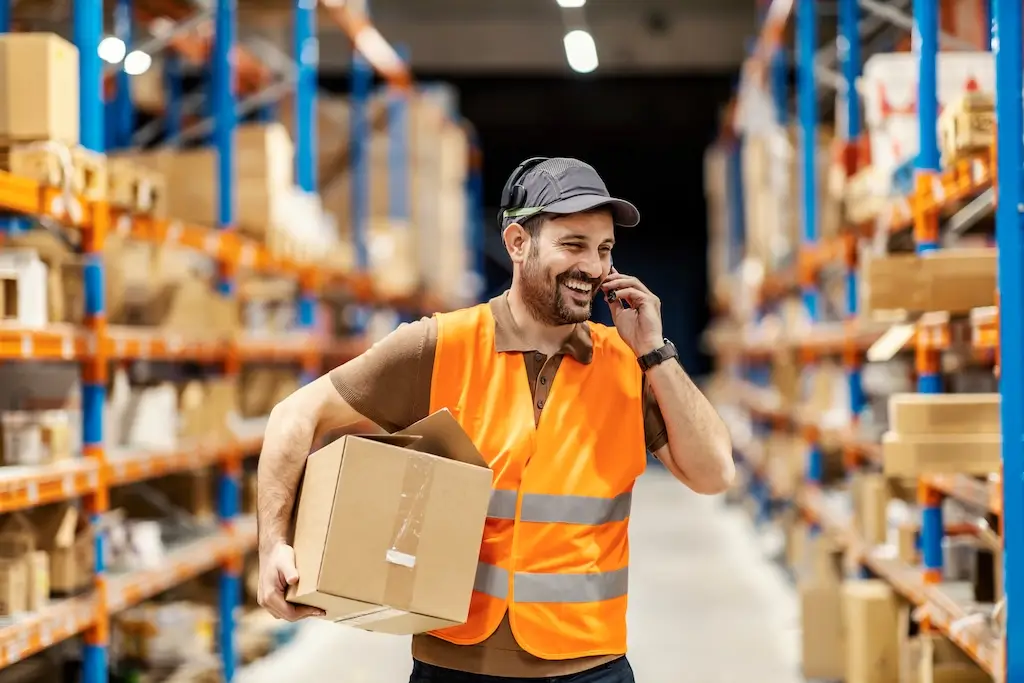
x=514, y=195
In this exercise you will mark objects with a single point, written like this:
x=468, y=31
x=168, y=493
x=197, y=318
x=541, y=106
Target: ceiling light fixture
x=111, y=49
x=137, y=63
x=580, y=51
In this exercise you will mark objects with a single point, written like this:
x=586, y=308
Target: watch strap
x=658, y=356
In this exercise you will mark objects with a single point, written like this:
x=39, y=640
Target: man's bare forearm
x=698, y=441
x=286, y=446
x=295, y=425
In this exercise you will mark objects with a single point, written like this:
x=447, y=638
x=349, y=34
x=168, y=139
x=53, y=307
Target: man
x=564, y=411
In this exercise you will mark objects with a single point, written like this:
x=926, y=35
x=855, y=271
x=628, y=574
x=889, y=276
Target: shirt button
x=539, y=356
x=543, y=379
x=540, y=404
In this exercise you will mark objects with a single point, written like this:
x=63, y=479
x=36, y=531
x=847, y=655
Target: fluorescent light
x=580, y=51
x=137, y=63
x=111, y=49
x=571, y=4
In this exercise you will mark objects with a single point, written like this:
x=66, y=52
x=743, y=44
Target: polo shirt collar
x=508, y=337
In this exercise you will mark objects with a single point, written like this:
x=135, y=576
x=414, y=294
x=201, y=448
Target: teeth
x=578, y=286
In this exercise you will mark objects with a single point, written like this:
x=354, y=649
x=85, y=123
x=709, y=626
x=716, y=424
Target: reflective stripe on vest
x=593, y=587
x=554, y=509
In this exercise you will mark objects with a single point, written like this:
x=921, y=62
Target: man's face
x=568, y=258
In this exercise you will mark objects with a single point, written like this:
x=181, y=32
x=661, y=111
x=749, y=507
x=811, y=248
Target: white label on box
x=397, y=557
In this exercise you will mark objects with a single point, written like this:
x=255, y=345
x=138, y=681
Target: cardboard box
x=38, y=88
x=912, y=456
x=954, y=280
x=872, y=619
x=65, y=534
x=871, y=510
x=37, y=569
x=263, y=167
x=944, y=414
x=822, y=630
x=13, y=587
x=388, y=528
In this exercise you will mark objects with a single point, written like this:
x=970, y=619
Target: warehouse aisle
x=704, y=606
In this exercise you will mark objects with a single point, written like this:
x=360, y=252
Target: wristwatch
x=658, y=356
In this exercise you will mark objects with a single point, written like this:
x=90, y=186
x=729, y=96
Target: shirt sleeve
x=655, y=433
x=389, y=384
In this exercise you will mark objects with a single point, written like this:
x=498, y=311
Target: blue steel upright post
x=124, y=111
x=398, y=161
x=88, y=30
x=360, y=135
x=1006, y=44
x=5, y=16
x=307, y=55
x=849, y=57
x=174, y=94
x=223, y=98
x=807, y=111
x=848, y=44
x=926, y=238
x=475, y=213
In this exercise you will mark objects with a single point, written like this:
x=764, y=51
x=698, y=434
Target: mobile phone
x=610, y=296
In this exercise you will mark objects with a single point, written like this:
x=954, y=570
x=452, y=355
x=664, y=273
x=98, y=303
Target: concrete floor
x=705, y=606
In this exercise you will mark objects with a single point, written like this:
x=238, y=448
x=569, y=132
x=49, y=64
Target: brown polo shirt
x=390, y=385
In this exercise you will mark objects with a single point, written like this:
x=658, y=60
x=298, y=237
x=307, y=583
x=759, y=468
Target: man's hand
x=640, y=324
x=277, y=573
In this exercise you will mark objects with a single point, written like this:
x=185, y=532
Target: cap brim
x=623, y=213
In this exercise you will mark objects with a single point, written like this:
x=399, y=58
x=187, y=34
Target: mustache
x=579, y=276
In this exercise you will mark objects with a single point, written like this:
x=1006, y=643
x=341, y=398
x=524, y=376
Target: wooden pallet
x=136, y=188
x=76, y=169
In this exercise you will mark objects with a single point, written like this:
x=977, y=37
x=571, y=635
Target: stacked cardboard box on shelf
x=943, y=434
x=430, y=251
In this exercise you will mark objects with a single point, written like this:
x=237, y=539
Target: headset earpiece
x=513, y=194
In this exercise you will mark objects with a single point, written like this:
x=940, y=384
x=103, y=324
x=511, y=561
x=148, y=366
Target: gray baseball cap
x=565, y=186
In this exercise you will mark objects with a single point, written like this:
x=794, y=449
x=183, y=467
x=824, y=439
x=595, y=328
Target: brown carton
x=388, y=528
x=17, y=537
x=13, y=587
x=954, y=280
x=38, y=88
x=872, y=618
x=65, y=534
x=913, y=456
x=37, y=569
x=944, y=414
x=822, y=636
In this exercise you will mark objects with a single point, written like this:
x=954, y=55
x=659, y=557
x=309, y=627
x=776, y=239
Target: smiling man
x=563, y=409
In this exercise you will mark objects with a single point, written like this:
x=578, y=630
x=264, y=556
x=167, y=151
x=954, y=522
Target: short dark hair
x=533, y=224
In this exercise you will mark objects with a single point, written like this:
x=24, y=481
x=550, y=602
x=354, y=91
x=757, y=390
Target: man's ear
x=517, y=242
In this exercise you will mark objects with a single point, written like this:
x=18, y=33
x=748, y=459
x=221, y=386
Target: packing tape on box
x=405, y=539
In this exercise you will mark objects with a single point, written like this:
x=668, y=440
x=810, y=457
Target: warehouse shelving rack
x=998, y=336
x=96, y=344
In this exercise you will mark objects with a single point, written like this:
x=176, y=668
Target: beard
x=548, y=301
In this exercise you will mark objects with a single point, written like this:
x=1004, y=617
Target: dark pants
x=617, y=671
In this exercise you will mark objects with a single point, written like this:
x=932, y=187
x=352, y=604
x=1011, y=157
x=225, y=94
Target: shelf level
x=25, y=636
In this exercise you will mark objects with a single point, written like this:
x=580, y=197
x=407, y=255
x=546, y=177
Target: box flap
x=400, y=440
x=442, y=435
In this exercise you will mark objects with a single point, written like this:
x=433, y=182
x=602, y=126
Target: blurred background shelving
x=866, y=282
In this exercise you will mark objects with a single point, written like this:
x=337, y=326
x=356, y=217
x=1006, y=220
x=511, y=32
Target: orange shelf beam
x=57, y=622
x=370, y=44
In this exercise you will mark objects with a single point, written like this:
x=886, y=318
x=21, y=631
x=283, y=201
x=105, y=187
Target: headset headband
x=509, y=197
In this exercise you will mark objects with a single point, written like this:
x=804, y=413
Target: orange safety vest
x=555, y=551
